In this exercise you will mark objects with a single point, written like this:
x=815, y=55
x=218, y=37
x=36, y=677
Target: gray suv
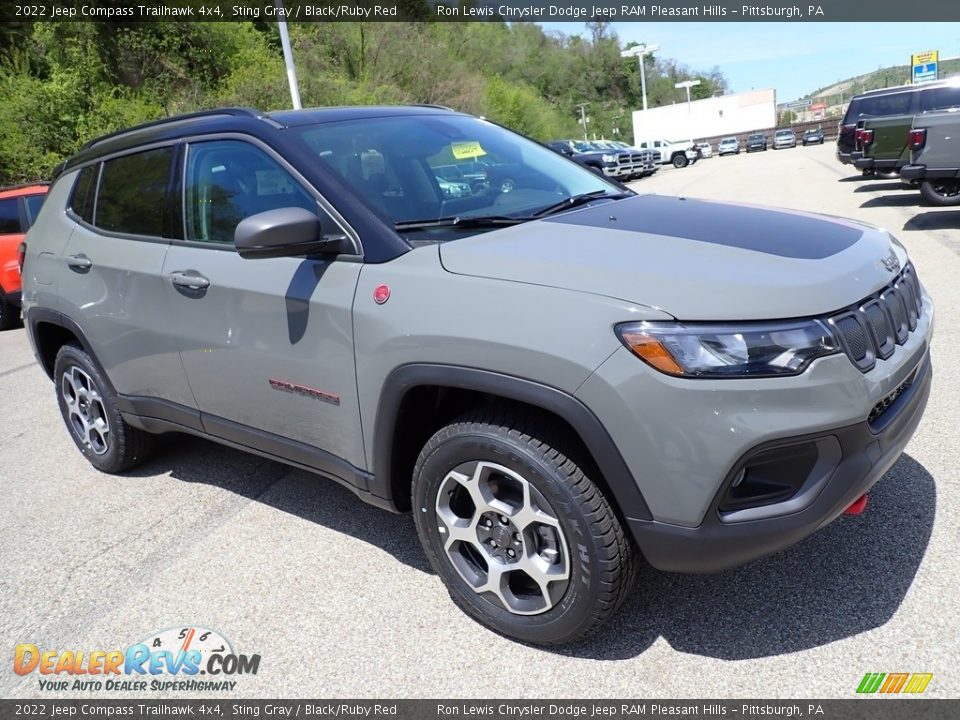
x=558, y=379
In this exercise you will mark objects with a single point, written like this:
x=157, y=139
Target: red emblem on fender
x=381, y=294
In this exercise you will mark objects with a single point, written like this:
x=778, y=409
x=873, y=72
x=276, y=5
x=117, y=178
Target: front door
x=267, y=344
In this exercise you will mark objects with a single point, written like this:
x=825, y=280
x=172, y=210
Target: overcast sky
x=793, y=58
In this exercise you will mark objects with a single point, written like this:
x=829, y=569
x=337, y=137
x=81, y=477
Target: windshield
x=784, y=133
x=755, y=137
x=429, y=168
x=729, y=140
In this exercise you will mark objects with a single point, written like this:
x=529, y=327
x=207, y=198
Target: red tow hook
x=858, y=506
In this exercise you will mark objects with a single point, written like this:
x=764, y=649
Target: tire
x=680, y=160
x=88, y=405
x=9, y=314
x=943, y=193
x=512, y=462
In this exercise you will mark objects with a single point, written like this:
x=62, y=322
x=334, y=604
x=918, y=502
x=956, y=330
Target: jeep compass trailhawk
x=556, y=375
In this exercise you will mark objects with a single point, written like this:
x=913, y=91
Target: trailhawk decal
x=775, y=232
x=304, y=390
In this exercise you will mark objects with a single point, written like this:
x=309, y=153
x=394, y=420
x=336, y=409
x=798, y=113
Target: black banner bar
x=482, y=10
x=854, y=709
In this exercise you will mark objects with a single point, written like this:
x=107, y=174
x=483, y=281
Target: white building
x=726, y=115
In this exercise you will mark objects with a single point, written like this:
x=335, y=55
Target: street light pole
x=639, y=51
x=288, y=59
x=583, y=118
x=687, y=84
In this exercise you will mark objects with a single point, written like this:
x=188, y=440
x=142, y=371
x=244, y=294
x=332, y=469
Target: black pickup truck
x=615, y=163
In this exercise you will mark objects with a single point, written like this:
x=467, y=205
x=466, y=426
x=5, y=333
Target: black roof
x=909, y=88
x=232, y=119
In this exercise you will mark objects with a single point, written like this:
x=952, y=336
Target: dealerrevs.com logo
x=188, y=659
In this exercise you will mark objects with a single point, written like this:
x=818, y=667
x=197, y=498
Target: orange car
x=18, y=209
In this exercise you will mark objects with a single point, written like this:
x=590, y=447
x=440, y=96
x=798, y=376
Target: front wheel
x=523, y=539
x=941, y=192
x=680, y=161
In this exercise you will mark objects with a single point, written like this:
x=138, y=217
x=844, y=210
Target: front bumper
x=852, y=459
x=922, y=172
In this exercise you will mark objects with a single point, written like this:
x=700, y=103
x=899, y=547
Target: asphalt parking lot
x=337, y=598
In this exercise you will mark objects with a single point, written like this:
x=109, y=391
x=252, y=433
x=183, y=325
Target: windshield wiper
x=576, y=200
x=480, y=221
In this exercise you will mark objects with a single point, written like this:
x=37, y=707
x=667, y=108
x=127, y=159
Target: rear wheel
x=89, y=408
x=524, y=540
x=9, y=314
x=941, y=192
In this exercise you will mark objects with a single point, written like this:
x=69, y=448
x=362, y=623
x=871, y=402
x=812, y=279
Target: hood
x=694, y=259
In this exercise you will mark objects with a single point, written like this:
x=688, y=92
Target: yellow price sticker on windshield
x=468, y=149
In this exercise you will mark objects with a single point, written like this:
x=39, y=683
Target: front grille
x=882, y=321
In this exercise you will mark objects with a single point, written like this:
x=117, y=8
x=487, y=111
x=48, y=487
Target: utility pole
x=639, y=51
x=288, y=59
x=583, y=118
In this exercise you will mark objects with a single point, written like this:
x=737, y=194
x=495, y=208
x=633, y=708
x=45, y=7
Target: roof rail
x=234, y=111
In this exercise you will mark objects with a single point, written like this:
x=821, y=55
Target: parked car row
x=909, y=132
x=608, y=158
x=758, y=142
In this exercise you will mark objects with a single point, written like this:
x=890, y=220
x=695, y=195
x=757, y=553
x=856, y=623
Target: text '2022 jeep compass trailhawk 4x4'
x=556, y=380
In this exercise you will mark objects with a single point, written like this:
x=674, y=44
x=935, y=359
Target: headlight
x=712, y=350
x=609, y=158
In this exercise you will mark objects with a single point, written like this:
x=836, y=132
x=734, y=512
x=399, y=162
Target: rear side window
x=9, y=216
x=81, y=201
x=34, y=203
x=132, y=193
x=879, y=106
x=939, y=98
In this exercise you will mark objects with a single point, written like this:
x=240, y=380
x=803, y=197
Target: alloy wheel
x=86, y=414
x=503, y=538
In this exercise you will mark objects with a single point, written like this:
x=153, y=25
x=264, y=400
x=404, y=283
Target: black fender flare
x=594, y=436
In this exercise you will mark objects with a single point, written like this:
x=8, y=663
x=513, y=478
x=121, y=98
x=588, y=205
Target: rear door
x=267, y=343
x=110, y=281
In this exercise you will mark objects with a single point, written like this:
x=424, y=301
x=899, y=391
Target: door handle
x=79, y=262
x=189, y=279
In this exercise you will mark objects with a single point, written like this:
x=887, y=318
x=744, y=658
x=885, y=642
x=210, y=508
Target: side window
x=229, y=180
x=9, y=216
x=132, y=192
x=34, y=203
x=939, y=98
x=81, y=201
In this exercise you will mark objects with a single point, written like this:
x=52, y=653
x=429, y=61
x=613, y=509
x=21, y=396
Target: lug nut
x=488, y=522
x=493, y=544
x=516, y=538
x=504, y=520
x=511, y=553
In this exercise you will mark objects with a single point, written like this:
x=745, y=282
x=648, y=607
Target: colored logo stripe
x=894, y=683
x=918, y=682
x=871, y=682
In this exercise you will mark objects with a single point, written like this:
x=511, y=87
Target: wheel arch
x=418, y=399
x=52, y=330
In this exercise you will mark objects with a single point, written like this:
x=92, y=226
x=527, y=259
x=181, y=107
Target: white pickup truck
x=680, y=153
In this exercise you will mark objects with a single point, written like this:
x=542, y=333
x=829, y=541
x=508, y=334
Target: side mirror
x=286, y=232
